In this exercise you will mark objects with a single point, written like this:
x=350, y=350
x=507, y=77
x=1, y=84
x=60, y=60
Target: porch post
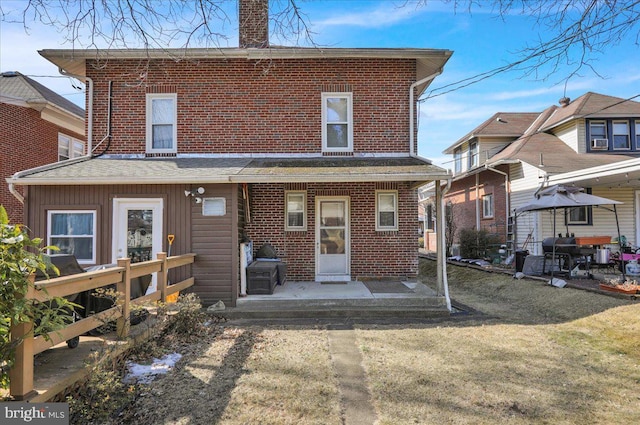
x=21, y=372
x=440, y=239
x=124, y=289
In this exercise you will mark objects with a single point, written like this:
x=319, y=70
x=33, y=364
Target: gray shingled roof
x=18, y=86
x=223, y=170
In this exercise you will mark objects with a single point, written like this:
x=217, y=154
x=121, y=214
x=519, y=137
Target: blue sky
x=480, y=40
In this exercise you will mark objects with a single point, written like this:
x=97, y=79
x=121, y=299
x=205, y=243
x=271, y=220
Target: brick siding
x=239, y=106
x=27, y=141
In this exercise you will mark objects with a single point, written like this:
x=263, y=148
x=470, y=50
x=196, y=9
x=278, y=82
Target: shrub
x=477, y=243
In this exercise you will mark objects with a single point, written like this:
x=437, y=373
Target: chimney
x=564, y=101
x=253, y=17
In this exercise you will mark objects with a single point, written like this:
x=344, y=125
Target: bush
x=478, y=243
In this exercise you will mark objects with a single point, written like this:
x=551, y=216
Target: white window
x=473, y=154
x=457, y=160
x=162, y=133
x=621, y=138
x=74, y=233
x=214, y=206
x=337, y=122
x=487, y=206
x=295, y=211
x=69, y=147
x=386, y=210
x=598, y=134
x=579, y=215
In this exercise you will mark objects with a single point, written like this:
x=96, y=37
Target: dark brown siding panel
x=215, y=242
x=214, y=238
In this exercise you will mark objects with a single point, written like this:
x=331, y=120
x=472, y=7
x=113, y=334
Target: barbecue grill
x=563, y=246
x=567, y=253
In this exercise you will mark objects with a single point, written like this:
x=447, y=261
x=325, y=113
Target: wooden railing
x=21, y=373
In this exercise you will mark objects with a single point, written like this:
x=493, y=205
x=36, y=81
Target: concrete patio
x=359, y=298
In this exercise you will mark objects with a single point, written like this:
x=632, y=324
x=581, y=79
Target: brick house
x=592, y=142
x=310, y=150
x=37, y=127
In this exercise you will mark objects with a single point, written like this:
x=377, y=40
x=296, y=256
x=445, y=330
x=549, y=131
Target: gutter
x=412, y=109
x=15, y=193
x=89, y=106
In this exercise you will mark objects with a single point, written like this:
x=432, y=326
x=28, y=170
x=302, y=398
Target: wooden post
x=124, y=290
x=162, y=277
x=21, y=373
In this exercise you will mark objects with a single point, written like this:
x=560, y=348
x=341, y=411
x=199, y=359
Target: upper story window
x=386, y=210
x=637, y=134
x=473, y=154
x=457, y=160
x=162, y=132
x=598, y=135
x=337, y=122
x=69, y=147
x=621, y=139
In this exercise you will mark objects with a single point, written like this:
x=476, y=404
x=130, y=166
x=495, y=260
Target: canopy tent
x=560, y=196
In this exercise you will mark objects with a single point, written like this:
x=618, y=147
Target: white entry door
x=137, y=230
x=332, y=239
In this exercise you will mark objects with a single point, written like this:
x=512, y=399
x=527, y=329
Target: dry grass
x=539, y=355
x=547, y=356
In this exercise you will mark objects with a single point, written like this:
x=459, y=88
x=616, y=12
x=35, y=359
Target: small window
x=295, y=211
x=473, y=154
x=161, y=123
x=386, y=210
x=68, y=147
x=214, y=206
x=74, y=233
x=621, y=140
x=487, y=206
x=457, y=160
x=337, y=122
x=579, y=215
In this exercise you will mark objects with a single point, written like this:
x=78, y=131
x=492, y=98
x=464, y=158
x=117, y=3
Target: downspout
x=412, y=150
x=15, y=193
x=477, y=196
x=89, y=106
x=442, y=244
x=108, y=135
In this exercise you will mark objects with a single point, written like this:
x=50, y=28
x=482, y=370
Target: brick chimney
x=564, y=101
x=253, y=17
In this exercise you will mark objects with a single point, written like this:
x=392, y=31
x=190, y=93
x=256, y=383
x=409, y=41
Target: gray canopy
x=560, y=196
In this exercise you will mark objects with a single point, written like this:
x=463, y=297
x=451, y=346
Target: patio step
x=337, y=308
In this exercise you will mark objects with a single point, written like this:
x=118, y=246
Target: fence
x=21, y=373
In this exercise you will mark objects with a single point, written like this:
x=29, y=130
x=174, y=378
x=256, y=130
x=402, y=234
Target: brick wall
x=373, y=253
x=463, y=196
x=27, y=141
x=240, y=105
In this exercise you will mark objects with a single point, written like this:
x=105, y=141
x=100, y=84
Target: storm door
x=137, y=230
x=332, y=239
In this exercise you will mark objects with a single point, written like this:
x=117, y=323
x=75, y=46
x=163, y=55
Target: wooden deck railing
x=21, y=373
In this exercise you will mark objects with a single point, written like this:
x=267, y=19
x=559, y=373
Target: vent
x=600, y=144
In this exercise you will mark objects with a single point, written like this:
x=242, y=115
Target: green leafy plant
x=477, y=243
x=20, y=257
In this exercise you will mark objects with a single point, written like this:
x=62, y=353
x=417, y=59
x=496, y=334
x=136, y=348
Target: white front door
x=137, y=230
x=332, y=239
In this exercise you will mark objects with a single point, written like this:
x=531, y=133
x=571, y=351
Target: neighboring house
x=592, y=142
x=37, y=127
x=311, y=150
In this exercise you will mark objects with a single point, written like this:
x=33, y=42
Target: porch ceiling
x=105, y=170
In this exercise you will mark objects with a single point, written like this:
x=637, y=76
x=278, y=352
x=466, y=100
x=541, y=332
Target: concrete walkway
x=352, y=380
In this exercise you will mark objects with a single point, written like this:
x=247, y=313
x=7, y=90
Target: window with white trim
x=386, y=210
x=162, y=113
x=73, y=232
x=487, y=206
x=457, y=160
x=69, y=147
x=597, y=130
x=621, y=140
x=579, y=215
x=337, y=122
x=295, y=210
x=473, y=154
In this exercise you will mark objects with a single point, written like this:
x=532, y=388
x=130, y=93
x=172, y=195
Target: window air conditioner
x=600, y=144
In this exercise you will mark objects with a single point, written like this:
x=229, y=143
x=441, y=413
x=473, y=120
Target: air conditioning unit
x=600, y=144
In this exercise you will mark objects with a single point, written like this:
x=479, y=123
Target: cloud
x=384, y=15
